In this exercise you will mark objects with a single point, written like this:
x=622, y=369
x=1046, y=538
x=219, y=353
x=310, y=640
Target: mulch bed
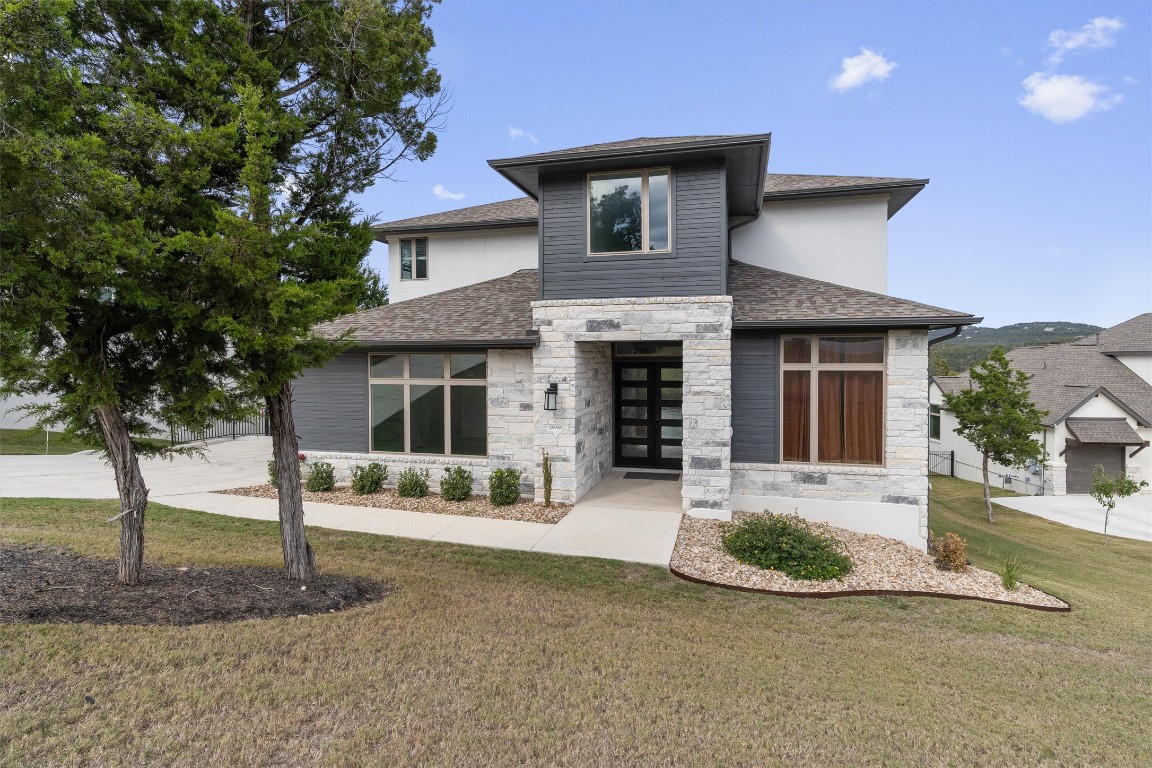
x=477, y=506
x=48, y=585
x=883, y=566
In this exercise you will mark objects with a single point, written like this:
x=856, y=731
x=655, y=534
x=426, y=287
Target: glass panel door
x=649, y=421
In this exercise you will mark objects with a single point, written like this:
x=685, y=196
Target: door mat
x=649, y=476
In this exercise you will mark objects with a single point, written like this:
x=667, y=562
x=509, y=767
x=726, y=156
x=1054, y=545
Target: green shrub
x=370, y=478
x=1010, y=572
x=321, y=478
x=788, y=544
x=413, y=483
x=546, y=466
x=504, y=486
x=949, y=551
x=272, y=476
x=456, y=485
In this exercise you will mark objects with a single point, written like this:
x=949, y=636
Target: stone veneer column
x=906, y=444
x=574, y=353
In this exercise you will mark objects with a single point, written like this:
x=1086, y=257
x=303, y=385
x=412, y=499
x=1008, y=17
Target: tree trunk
x=298, y=561
x=988, y=491
x=133, y=493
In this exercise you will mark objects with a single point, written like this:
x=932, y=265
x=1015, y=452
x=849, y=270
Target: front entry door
x=649, y=413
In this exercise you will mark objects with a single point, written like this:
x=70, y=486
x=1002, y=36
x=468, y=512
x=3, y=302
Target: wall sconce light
x=550, y=396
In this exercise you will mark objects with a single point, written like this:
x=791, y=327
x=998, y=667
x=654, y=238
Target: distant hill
x=977, y=342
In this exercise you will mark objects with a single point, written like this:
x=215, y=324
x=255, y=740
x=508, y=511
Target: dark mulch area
x=45, y=585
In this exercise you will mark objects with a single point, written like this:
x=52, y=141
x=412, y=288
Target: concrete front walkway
x=1132, y=518
x=632, y=520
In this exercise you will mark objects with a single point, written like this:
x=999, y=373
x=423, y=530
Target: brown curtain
x=831, y=416
x=797, y=416
x=851, y=416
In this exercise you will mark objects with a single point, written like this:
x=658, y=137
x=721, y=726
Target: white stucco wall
x=842, y=241
x=464, y=258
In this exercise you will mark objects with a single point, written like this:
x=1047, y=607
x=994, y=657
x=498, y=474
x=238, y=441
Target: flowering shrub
x=788, y=544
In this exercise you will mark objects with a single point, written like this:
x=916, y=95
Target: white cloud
x=857, y=70
x=519, y=133
x=1064, y=98
x=1098, y=33
x=444, y=194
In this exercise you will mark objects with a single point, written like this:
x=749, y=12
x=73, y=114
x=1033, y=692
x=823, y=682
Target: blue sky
x=1031, y=119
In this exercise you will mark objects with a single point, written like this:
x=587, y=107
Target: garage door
x=1081, y=459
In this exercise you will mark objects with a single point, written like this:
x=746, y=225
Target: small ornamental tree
x=997, y=416
x=1108, y=489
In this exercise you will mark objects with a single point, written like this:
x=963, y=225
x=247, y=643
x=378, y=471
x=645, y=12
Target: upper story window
x=832, y=397
x=629, y=211
x=414, y=258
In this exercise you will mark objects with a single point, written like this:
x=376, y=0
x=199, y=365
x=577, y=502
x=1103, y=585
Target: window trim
x=400, y=258
x=447, y=382
x=644, y=214
x=814, y=367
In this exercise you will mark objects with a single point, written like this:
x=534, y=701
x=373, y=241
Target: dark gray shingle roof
x=951, y=385
x=765, y=296
x=500, y=310
x=497, y=311
x=1065, y=375
x=1108, y=431
x=522, y=211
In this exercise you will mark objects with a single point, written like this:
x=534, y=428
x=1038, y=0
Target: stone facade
x=511, y=428
x=904, y=477
x=575, y=353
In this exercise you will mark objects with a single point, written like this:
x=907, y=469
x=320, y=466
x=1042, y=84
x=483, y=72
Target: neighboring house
x=1098, y=395
x=690, y=315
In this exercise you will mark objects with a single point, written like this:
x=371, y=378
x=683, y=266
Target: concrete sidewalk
x=1132, y=518
x=632, y=520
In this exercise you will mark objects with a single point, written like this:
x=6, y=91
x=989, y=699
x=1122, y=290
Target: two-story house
x=655, y=304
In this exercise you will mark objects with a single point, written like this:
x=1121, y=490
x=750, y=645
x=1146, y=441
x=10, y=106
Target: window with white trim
x=428, y=403
x=630, y=212
x=832, y=399
x=934, y=422
x=414, y=258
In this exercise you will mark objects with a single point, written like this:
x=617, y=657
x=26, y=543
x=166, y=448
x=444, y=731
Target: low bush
x=949, y=551
x=1010, y=572
x=321, y=478
x=456, y=485
x=504, y=487
x=412, y=483
x=369, y=478
x=273, y=478
x=788, y=544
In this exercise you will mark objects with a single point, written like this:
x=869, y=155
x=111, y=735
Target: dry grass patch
x=486, y=657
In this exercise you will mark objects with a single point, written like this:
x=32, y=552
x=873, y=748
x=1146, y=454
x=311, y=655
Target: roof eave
x=380, y=234
x=900, y=193
x=520, y=343
x=930, y=322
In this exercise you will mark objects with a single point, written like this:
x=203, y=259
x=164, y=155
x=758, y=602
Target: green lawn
x=23, y=441
x=499, y=658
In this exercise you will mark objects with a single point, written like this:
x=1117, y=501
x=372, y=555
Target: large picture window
x=832, y=398
x=429, y=403
x=629, y=212
x=414, y=258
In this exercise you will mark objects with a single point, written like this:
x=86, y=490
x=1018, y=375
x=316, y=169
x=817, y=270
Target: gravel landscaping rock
x=477, y=506
x=882, y=565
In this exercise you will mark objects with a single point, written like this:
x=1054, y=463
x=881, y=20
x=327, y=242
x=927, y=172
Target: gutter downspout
x=928, y=507
x=955, y=332
x=733, y=227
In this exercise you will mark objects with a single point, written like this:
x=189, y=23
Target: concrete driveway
x=1132, y=518
x=227, y=464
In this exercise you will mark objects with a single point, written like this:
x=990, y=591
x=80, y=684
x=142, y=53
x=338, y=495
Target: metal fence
x=256, y=424
x=942, y=463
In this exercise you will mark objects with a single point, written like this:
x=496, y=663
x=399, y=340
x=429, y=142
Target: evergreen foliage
x=456, y=485
x=321, y=477
x=504, y=486
x=412, y=483
x=998, y=417
x=789, y=544
x=369, y=478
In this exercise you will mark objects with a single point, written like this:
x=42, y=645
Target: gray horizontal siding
x=695, y=268
x=755, y=397
x=330, y=405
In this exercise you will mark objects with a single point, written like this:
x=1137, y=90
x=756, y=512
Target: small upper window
x=414, y=259
x=629, y=212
